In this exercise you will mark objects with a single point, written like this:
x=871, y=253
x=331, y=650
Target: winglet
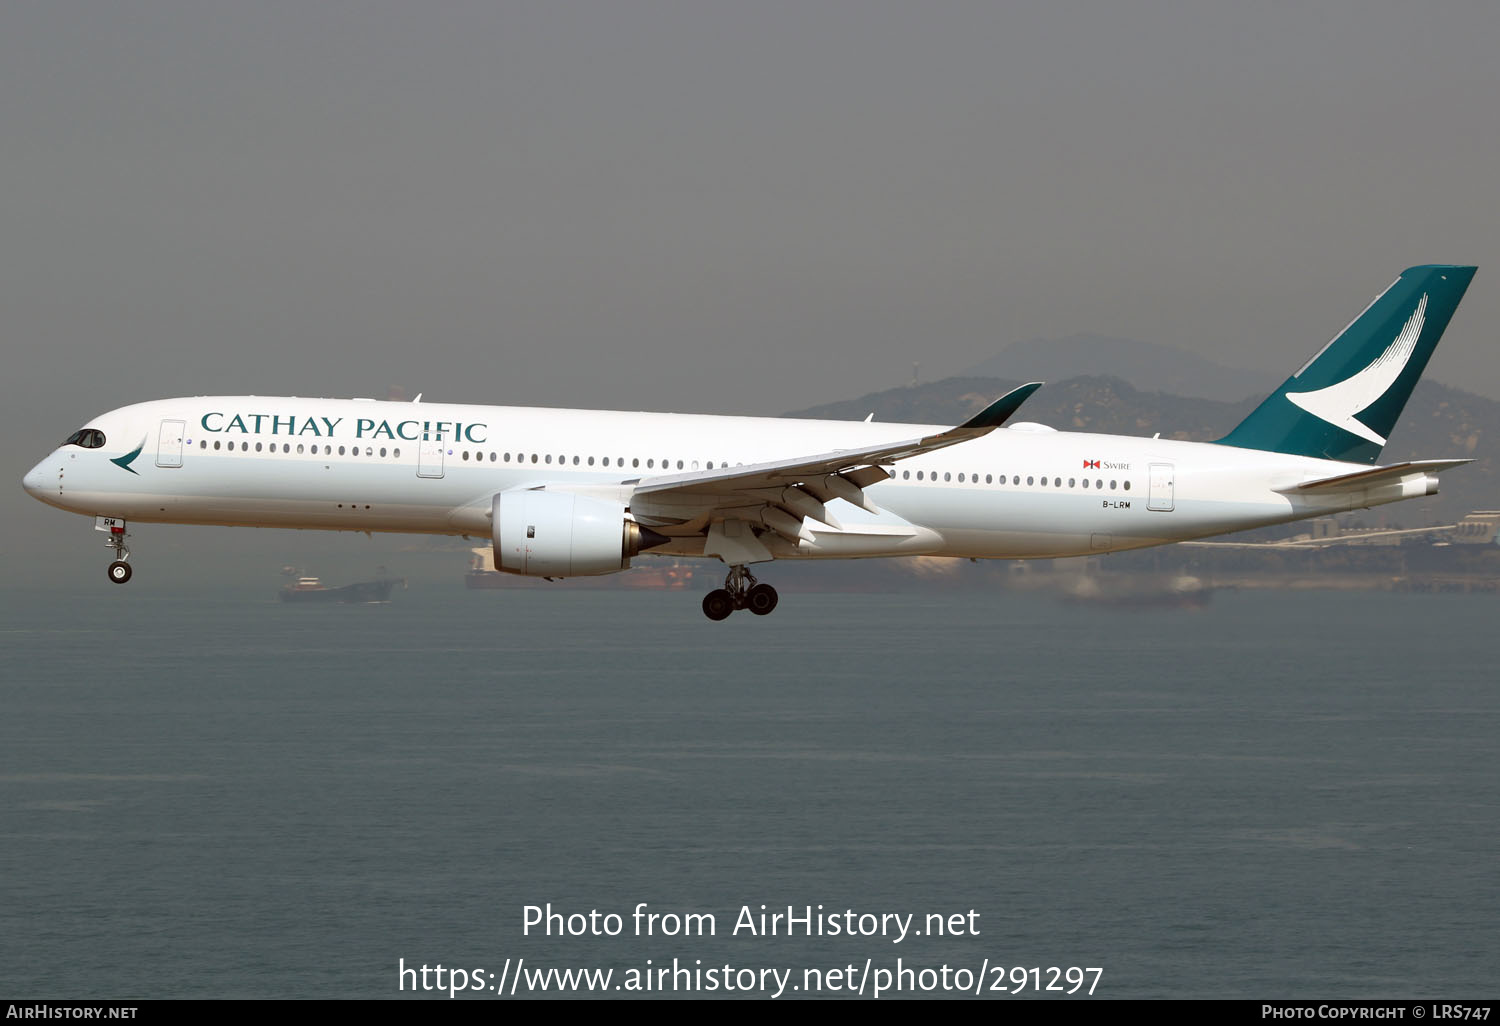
x=999, y=411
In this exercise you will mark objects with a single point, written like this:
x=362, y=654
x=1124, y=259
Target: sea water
x=213, y=794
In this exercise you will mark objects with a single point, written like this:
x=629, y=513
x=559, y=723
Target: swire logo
x=1090, y=464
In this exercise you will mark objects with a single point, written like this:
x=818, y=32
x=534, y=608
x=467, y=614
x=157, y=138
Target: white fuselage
x=363, y=465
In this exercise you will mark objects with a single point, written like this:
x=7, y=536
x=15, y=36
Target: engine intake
x=559, y=534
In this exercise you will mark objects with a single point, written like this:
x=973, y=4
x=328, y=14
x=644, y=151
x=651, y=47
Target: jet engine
x=559, y=534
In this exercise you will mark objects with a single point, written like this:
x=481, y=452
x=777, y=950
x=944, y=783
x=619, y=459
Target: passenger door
x=430, y=457
x=169, y=443
x=1163, y=491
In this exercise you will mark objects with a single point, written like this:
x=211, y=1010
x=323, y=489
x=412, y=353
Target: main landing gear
x=119, y=571
x=740, y=591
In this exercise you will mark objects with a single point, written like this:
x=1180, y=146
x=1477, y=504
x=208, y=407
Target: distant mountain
x=1439, y=422
x=1149, y=366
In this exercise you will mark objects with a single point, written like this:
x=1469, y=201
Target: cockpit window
x=86, y=438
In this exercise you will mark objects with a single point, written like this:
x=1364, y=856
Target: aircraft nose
x=35, y=481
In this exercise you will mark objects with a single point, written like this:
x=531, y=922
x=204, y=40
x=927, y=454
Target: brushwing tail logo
x=1337, y=404
x=124, y=462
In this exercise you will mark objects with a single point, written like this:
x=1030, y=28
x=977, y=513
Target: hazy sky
x=748, y=207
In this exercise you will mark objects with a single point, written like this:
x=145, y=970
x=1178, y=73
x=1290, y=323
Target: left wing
x=782, y=494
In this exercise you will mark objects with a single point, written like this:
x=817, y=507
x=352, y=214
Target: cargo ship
x=1138, y=591
x=311, y=589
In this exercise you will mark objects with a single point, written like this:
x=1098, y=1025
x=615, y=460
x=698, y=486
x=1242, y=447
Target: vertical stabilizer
x=1344, y=402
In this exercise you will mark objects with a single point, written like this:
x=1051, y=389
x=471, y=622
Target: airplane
x=563, y=493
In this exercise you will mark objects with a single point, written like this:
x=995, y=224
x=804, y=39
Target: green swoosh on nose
x=124, y=462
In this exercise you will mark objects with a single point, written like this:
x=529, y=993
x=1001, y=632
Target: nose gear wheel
x=119, y=571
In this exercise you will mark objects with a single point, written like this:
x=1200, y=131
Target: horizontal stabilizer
x=1373, y=476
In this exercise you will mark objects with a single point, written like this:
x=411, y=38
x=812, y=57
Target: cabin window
x=1111, y=486
x=1127, y=486
x=1071, y=482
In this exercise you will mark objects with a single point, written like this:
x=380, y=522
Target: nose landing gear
x=740, y=591
x=119, y=571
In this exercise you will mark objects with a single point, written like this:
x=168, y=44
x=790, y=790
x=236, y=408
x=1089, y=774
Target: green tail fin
x=1344, y=402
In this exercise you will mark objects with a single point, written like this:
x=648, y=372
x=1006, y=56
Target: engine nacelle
x=559, y=534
